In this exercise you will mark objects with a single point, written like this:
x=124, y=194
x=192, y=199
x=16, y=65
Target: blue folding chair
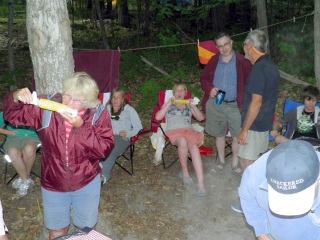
x=291, y=104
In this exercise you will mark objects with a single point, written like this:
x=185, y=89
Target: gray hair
x=82, y=85
x=259, y=40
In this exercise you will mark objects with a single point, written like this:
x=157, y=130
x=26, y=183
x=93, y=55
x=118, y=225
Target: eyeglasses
x=115, y=117
x=75, y=101
x=180, y=90
x=227, y=44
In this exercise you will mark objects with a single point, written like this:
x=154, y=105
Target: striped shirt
x=68, y=130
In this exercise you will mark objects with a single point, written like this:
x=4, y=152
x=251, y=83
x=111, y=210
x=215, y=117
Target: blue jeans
x=120, y=146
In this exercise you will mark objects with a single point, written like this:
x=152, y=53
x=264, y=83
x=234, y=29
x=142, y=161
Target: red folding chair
x=104, y=98
x=163, y=97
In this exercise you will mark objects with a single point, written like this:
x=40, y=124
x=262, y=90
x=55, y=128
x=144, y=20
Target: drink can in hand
x=220, y=96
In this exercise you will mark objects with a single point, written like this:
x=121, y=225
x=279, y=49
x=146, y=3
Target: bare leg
x=3, y=237
x=17, y=162
x=220, y=144
x=182, y=144
x=29, y=156
x=278, y=138
x=235, y=158
x=197, y=165
x=58, y=233
x=245, y=163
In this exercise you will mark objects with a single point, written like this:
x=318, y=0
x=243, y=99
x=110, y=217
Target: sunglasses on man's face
x=115, y=117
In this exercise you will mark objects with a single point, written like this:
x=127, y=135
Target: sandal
x=219, y=165
x=186, y=180
x=235, y=170
x=201, y=192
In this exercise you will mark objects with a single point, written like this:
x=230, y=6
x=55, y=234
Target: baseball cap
x=292, y=172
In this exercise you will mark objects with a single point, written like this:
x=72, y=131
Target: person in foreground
x=227, y=71
x=259, y=102
x=21, y=146
x=125, y=124
x=180, y=132
x=280, y=195
x=303, y=120
x=71, y=150
x=3, y=227
x=260, y=98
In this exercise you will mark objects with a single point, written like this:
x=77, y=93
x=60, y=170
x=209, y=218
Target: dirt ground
x=152, y=204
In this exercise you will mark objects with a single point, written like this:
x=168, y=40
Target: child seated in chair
x=303, y=120
x=125, y=124
x=21, y=146
x=182, y=135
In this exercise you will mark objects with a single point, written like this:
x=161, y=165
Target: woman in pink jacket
x=71, y=149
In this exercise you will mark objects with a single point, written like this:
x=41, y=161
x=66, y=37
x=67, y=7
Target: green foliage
x=295, y=50
x=9, y=76
x=168, y=37
x=149, y=91
x=287, y=49
x=19, y=6
x=296, y=89
x=164, y=12
x=311, y=80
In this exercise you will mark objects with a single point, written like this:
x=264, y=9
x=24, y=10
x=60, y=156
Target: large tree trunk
x=316, y=21
x=50, y=42
x=262, y=17
x=10, y=48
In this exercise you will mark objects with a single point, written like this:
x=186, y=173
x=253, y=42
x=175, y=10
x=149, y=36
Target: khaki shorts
x=217, y=117
x=19, y=142
x=257, y=143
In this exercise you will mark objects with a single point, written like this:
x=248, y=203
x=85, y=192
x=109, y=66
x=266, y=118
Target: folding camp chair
x=288, y=105
x=163, y=97
x=104, y=98
x=8, y=161
x=206, y=50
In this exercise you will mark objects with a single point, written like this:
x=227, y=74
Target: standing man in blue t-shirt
x=260, y=98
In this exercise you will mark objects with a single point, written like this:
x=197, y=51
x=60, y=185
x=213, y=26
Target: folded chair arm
x=139, y=134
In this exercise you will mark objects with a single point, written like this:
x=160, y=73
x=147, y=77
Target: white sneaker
x=25, y=185
x=237, y=207
x=16, y=183
x=30, y=183
x=103, y=179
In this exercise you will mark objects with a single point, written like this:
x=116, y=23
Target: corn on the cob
x=195, y=101
x=181, y=101
x=56, y=107
x=52, y=106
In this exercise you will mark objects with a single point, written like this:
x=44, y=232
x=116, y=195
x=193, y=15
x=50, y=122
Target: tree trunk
x=147, y=18
x=262, y=17
x=50, y=42
x=218, y=18
x=123, y=13
x=109, y=11
x=316, y=21
x=10, y=48
x=101, y=23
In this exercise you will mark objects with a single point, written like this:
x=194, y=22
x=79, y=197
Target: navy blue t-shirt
x=263, y=80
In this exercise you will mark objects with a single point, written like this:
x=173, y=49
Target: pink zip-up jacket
x=86, y=145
